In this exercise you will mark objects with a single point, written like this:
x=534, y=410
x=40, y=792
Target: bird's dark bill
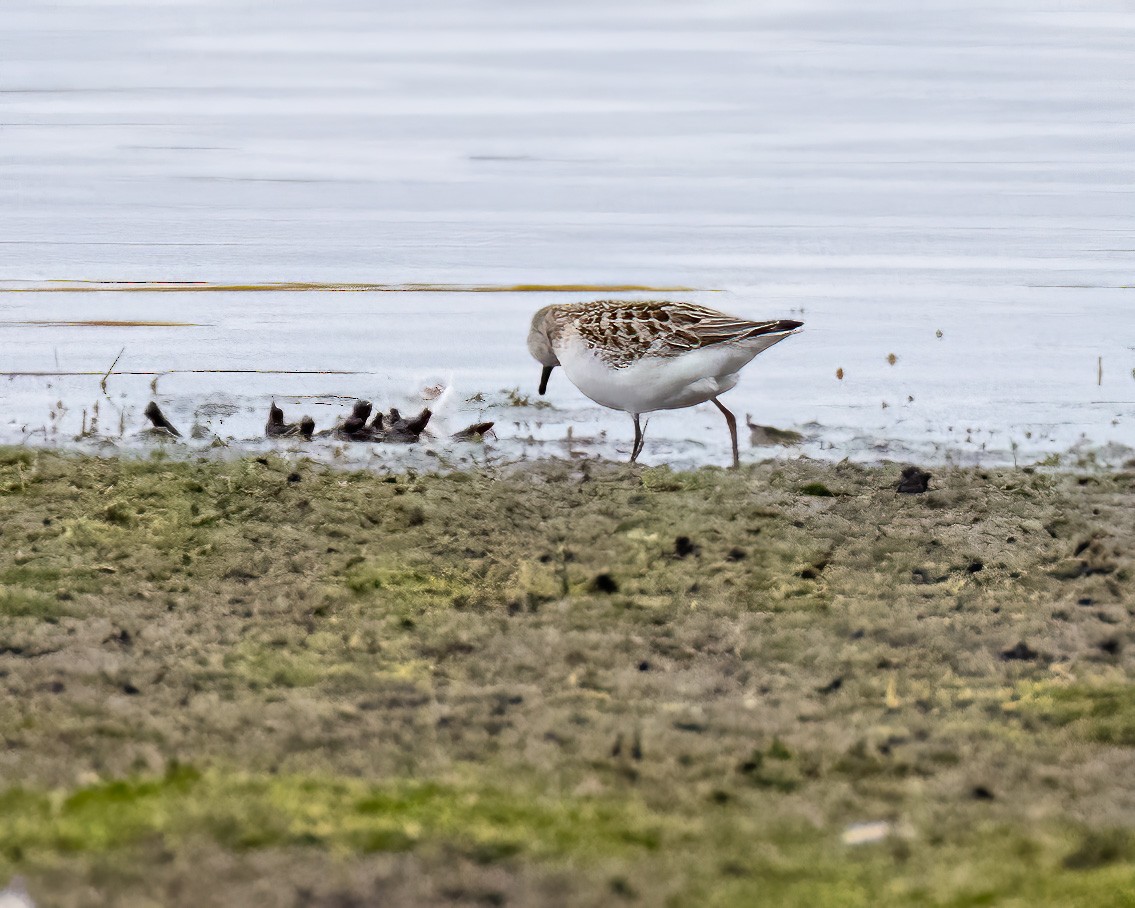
x=544, y=376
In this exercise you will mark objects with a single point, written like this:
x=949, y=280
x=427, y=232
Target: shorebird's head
x=540, y=344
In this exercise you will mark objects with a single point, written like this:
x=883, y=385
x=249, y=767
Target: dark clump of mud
x=263, y=682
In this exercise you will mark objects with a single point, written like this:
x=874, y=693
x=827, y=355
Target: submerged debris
x=914, y=481
x=157, y=417
x=398, y=428
x=277, y=428
x=354, y=427
x=474, y=432
x=383, y=427
x=763, y=436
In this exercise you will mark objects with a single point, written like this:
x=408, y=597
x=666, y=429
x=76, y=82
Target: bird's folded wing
x=691, y=327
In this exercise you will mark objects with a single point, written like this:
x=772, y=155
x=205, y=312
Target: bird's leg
x=732, y=421
x=637, y=449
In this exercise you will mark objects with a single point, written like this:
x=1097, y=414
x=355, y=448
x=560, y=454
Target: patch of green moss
x=1104, y=713
x=16, y=602
x=260, y=811
x=410, y=589
x=266, y=667
x=816, y=489
x=774, y=767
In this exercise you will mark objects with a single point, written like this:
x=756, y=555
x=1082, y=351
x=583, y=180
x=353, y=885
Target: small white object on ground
x=866, y=833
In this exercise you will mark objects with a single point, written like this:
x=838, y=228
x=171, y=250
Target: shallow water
x=884, y=174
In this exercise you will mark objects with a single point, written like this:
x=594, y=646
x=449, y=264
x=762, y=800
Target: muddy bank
x=263, y=682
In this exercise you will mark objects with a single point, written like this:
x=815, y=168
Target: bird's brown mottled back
x=622, y=332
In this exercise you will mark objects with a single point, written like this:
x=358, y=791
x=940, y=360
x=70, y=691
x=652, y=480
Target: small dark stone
x=914, y=481
x=981, y=793
x=644, y=666
x=684, y=547
x=1022, y=652
x=605, y=583
x=294, y=477
x=975, y=566
x=1086, y=600
x=623, y=889
x=736, y=554
x=813, y=571
x=129, y=689
x=1111, y=646
x=831, y=687
x=1081, y=547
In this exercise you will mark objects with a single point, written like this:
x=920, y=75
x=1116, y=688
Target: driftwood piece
x=154, y=414
x=474, y=432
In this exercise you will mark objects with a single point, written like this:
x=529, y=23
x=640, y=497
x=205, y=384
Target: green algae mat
x=272, y=683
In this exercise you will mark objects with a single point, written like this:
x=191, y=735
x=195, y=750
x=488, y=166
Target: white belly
x=655, y=383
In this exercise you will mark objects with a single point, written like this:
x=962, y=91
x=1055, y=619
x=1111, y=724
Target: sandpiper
x=650, y=355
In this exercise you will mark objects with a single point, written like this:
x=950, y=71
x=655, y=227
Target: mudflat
x=271, y=682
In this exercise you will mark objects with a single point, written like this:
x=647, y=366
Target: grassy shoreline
x=577, y=684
